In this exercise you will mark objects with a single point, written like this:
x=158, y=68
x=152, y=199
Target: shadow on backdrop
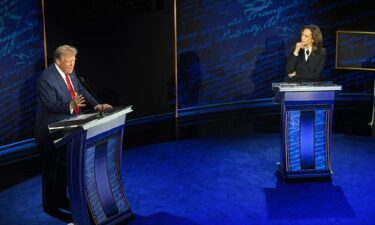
x=189, y=79
x=270, y=67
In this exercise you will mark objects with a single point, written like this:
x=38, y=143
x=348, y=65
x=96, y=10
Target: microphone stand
x=88, y=88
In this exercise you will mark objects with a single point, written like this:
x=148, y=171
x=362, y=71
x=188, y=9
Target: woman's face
x=306, y=38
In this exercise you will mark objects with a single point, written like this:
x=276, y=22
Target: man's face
x=306, y=37
x=66, y=63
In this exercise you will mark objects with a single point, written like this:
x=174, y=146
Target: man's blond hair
x=64, y=50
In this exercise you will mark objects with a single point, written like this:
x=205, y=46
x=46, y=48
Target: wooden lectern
x=306, y=122
x=94, y=158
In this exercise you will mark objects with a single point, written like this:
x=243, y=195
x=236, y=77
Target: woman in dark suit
x=307, y=59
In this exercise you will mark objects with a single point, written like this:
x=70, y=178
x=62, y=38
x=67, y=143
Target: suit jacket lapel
x=74, y=81
x=63, y=89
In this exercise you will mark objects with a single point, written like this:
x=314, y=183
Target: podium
x=94, y=166
x=306, y=123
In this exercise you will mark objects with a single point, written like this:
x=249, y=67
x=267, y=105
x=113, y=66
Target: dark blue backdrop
x=230, y=51
x=21, y=61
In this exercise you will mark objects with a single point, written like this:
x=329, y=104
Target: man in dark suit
x=60, y=95
x=307, y=59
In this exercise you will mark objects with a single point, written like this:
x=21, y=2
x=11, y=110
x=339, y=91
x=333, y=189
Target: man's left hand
x=102, y=107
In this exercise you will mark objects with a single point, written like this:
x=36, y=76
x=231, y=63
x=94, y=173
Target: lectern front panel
x=306, y=118
x=103, y=181
x=306, y=139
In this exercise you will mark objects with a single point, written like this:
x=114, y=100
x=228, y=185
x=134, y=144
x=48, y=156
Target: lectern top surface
x=306, y=86
x=85, y=119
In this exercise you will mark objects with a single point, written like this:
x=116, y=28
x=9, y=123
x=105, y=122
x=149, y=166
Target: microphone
x=82, y=79
x=88, y=88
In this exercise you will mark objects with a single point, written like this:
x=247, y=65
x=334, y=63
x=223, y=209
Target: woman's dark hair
x=317, y=36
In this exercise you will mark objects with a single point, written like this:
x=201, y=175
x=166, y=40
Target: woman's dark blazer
x=309, y=70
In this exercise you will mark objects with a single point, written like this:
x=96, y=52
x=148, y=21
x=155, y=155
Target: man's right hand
x=79, y=101
x=292, y=74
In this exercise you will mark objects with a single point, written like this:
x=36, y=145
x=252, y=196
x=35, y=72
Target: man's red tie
x=71, y=91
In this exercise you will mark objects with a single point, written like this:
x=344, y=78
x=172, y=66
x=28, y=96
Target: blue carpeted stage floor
x=226, y=178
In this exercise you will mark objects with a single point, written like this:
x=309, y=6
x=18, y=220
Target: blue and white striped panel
x=320, y=139
x=294, y=140
x=113, y=176
x=91, y=186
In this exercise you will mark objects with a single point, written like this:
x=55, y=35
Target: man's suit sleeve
x=47, y=95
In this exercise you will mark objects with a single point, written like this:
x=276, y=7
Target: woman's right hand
x=299, y=45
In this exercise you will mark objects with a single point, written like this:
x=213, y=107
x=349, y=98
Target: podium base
x=123, y=219
x=315, y=174
x=303, y=173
